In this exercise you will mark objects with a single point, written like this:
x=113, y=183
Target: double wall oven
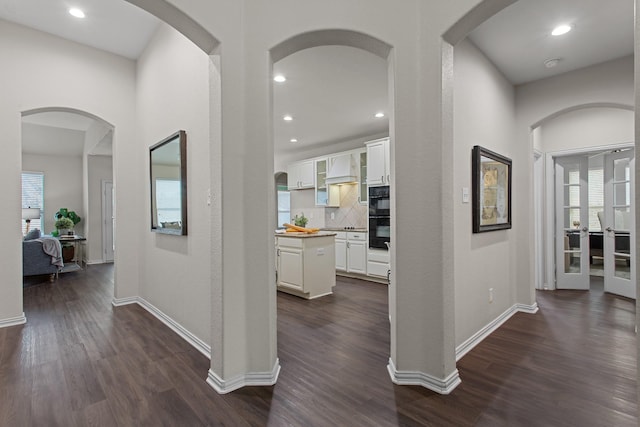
x=379, y=217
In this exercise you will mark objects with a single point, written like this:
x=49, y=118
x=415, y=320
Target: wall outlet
x=490, y=294
x=320, y=251
x=333, y=215
x=465, y=194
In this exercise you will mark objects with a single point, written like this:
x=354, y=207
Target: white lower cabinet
x=306, y=265
x=341, y=251
x=351, y=252
x=357, y=253
x=377, y=262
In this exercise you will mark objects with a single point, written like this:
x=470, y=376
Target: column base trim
x=249, y=379
x=13, y=321
x=441, y=386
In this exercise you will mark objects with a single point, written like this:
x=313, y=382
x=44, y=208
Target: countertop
x=306, y=235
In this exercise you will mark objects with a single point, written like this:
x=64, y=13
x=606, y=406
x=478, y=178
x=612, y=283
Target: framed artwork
x=491, y=182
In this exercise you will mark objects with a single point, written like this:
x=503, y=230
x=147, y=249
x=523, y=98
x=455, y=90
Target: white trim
x=97, y=261
x=105, y=214
x=13, y=321
x=117, y=302
x=195, y=342
x=479, y=336
x=442, y=386
x=249, y=379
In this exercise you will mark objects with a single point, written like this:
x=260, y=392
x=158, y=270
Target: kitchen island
x=306, y=264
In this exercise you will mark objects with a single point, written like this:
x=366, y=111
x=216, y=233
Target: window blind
x=33, y=197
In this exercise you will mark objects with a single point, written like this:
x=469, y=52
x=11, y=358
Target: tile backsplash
x=350, y=213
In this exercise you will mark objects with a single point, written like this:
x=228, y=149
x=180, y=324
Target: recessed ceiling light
x=279, y=78
x=293, y=140
x=550, y=63
x=379, y=115
x=287, y=118
x=74, y=11
x=560, y=30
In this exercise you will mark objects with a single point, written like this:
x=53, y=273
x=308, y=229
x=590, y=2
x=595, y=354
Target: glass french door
x=572, y=220
x=619, y=224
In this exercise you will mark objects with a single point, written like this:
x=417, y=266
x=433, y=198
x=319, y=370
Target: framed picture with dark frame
x=491, y=180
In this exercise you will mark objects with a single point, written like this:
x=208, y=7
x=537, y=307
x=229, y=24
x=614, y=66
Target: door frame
x=106, y=217
x=550, y=203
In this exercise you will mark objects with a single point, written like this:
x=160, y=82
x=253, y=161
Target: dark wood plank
x=80, y=361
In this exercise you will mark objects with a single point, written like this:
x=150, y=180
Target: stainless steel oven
x=379, y=217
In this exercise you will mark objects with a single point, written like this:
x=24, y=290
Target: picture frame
x=491, y=180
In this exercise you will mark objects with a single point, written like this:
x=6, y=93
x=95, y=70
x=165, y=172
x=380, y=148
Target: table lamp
x=28, y=214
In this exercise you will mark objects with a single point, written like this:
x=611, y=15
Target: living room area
x=67, y=193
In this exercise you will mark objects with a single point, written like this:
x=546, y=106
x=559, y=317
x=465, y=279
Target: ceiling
x=333, y=92
x=518, y=40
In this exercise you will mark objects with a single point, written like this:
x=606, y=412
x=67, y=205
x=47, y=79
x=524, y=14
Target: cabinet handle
x=388, y=179
x=347, y=244
x=382, y=179
x=278, y=252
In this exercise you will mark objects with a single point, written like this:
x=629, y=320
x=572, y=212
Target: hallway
x=80, y=361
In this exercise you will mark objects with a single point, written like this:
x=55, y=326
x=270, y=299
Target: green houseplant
x=300, y=221
x=64, y=224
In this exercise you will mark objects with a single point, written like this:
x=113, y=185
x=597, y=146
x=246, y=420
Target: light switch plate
x=465, y=194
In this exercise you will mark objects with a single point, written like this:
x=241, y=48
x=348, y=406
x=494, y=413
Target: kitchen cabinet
x=341, y=251
x=305, y=264
x=351, y=252
x=378, y=162
x=357, y=253
x=301, y=175
x=326, y=195
x=377, y=262
x=362, y=183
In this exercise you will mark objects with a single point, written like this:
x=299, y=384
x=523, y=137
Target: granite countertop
x=302, y=235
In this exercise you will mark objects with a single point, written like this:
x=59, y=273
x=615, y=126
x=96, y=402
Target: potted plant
x=300, y=221
x=63, y=225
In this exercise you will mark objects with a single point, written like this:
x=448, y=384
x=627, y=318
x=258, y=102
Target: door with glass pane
x=619, y=224
x=572, y=220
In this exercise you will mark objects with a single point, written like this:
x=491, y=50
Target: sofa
x=35, y=261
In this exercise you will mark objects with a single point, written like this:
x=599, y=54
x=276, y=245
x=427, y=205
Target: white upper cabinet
x=301, y=175
x=378, y=167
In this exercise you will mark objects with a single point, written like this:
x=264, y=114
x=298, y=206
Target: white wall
x=100, y=168
x=583, y=108
x=484, y=114
x=46, y=71
x=173, y=94
x=62, y=185
x=587, y=127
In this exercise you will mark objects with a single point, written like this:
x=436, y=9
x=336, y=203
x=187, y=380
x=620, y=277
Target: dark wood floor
x=79, y=361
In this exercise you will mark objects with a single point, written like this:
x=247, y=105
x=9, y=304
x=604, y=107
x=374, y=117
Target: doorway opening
x=593, y=210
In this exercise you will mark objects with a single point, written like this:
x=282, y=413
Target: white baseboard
x=249, y=379
x=13, y=321
x=94, y=261
x=196, y=342
x=117, y=302
x=442, y=386
x=477, y=338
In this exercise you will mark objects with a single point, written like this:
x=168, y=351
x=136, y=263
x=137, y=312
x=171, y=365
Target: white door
x=290, y=268
x=619, y=225
x=356, y=257
x=572, y=220
x=107, y=221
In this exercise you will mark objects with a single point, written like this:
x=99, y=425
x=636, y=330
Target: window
x=168, y=200
x=33, y=197
x=596, y=197
x=284, y=205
